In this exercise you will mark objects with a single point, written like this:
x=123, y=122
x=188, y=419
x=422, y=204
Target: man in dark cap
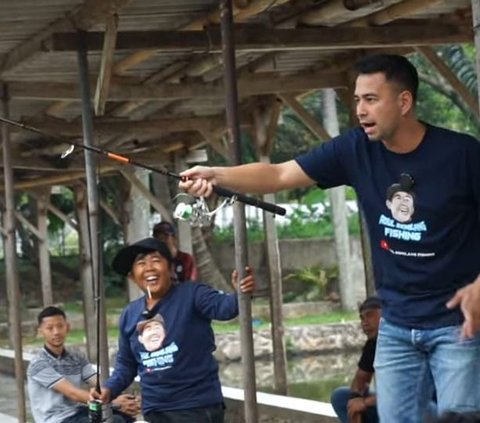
x=178, y=373
x=356, y=403
x=183, y=263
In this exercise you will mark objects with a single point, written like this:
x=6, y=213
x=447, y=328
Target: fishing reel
x=195, y=211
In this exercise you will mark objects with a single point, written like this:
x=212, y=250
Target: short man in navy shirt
x=178, y=372
x=427, y=268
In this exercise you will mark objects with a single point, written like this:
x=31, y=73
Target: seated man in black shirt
x=356, y=403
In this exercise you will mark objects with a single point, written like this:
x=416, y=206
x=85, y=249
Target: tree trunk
x=339, y=211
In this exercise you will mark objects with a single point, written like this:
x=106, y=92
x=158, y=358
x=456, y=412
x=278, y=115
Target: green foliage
x=312, y=219
x=316, y=278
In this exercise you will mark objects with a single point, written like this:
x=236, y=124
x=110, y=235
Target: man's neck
x=56, y=351
x=407, y=138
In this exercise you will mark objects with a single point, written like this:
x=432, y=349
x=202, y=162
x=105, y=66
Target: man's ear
x=406, y=102
x=140, y=339
x=68, y=327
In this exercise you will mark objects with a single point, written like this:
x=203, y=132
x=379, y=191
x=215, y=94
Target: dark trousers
x=211, y=414
x=81, y=416
x=340, y=398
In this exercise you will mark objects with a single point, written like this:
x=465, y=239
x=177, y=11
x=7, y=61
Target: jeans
x=210, y=414
x=340, y=398
x=411, y=365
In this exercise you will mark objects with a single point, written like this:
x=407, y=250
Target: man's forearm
x=258, y=178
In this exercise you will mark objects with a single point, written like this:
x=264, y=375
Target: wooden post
x=43, y=253
x=266, y=123
x=239, y=225
x=137, y=209
x=85, y=258
x=13, y=286
x=95, y=238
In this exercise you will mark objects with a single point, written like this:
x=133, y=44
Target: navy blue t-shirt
x=425, y=235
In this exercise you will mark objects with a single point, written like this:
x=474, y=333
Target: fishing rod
x=220, y=191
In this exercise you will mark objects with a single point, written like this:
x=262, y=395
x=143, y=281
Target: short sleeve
x=44, y=374
x=368, y=355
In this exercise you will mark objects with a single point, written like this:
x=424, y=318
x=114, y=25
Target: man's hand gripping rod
x=223, y=192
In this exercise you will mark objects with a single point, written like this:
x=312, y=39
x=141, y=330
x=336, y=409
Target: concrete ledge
x=278, y=408
x=7, y=419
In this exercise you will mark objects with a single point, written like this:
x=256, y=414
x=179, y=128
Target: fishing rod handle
x=252, y=201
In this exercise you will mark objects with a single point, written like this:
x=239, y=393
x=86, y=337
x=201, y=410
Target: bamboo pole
x=13, y=283
x=239, y=225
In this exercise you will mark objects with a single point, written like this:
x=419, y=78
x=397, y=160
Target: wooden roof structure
x=155, y=66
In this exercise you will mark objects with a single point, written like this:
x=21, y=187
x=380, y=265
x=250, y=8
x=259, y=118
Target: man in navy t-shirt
x=419, y=189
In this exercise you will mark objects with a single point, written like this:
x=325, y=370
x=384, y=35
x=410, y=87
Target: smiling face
x=401, y=206
x=152, y=335
x=380, y=106
x=54, y=330
x=152, y=270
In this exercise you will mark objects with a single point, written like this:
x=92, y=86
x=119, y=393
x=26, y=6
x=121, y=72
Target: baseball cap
x=123, y=261
x=370, y=303
x=165, y=228
x=141, y=325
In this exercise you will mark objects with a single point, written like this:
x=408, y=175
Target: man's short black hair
x=49, y=312
x=396, y=68
x=370, y=303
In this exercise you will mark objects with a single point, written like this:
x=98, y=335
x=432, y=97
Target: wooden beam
x=450, y=77
x=138, y=185
x=55, y=179
x=310, y=122
x=108, y=127
x=259, y=39
x=254, y=85
x=91, y=12
x=30, y=226
x=57, y=212
x=106, y=65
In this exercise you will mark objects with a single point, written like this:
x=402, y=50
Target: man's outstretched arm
x=257, y=178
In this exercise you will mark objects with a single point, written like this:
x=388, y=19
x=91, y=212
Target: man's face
x=152, y=336
x=402, y=207
x=152, y=270
x=378, y=106
x=170, y=240
x=369, y=321
x=54, y=330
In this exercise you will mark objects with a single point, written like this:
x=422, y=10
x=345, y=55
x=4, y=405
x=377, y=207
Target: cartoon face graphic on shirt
x=152, y=333
x=401, y=203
